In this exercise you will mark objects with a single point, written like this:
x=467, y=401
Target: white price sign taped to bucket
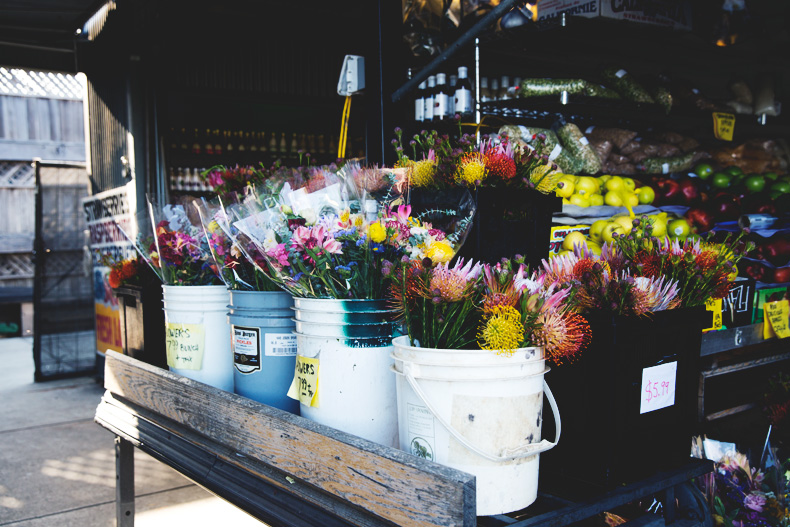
x=304, y=387
x=280, y=345
x=658, y=387
x=185, y=343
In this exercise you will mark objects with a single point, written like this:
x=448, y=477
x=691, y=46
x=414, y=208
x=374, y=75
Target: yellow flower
x=377, y=232
x=422, y=172
x=544, y=179
x=357, y=220
x=440, y=252
x=472, y=170
x=503, y=331
x=344, y=216
x=213, y=226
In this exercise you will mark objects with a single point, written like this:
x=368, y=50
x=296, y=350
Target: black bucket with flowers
x=630, y=400
x=512, y=187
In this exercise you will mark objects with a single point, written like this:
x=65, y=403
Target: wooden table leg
x=124, y=483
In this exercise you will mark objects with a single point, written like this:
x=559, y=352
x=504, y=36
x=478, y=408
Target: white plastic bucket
x=355, y=389
x=197, y=333
x=478, y=412
x=263, y=346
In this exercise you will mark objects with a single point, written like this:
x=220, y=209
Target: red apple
x=701, y=219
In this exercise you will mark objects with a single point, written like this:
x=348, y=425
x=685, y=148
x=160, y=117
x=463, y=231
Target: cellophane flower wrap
x=638, y=274
x=180, y=249
x=337, y=236
x=498, y=308
x=239, y=263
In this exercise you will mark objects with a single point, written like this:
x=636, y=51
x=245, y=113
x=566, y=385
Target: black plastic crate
x=605, y=439
x=143, y=323
x=507, y=222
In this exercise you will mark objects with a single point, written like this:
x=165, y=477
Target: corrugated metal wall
x=107, y=123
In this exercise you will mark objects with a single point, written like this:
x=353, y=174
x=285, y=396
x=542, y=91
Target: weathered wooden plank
x=388, y=482
x=257, y=489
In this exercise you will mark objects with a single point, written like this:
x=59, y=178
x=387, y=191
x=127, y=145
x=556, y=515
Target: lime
x=720, y=180
x=679, y=228
x=733, y=170
x=781, y=186
x=771, y=176
x=755, y=183
x=703, y=170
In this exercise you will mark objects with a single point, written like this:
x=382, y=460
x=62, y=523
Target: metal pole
x=451, y=50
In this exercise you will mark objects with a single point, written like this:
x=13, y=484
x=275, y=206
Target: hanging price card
x=184, y=345
x=304, y=387
x=723, y=125
x=658, y=387
x=775, y=322
x=714, y=305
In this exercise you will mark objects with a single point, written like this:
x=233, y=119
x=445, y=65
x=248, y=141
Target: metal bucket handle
x=519, y=452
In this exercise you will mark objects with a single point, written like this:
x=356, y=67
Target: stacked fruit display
x=615, y=191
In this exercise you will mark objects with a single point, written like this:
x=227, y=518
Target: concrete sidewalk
x=57, y=467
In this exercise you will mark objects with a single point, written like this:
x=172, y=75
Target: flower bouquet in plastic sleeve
x=338, y=235
x=180, y=249
x=238, y=260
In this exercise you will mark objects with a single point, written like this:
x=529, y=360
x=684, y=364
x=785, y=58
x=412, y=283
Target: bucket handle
x=519, y=452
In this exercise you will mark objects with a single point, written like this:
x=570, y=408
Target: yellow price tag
x=304, y=387
x=185, y=344
x=715, y=307
x=777, y=319
x=723, y=125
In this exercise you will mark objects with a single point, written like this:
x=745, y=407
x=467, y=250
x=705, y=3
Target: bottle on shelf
x=462, y=101
x=419, y=103
x=494, y=90
x=282, y=149
x=321, y=144
x=262, y=142
x=440, y=97
x=195, y=142
x=273, y=144
x=217, y=143
x=485, y=93
x=249, y=139
x=453, y=84
x=227, y=138
x=504, y=89
x=429, y=94
x=208, y=145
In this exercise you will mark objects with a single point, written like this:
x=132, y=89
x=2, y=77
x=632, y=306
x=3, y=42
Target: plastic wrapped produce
x=562, y=157
x=626, y=85
x=603, y=149
x=536, y=87
x=596, y=90
x=575, y=141
x=617, y=136
x=668, y=165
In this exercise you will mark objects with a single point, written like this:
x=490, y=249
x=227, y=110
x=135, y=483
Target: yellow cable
x=341, y=144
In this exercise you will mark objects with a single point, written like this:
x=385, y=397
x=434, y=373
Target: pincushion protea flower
x=502, y=330
x=452, y=284
x=472, y=170
x=563, y=335
x=499, y=160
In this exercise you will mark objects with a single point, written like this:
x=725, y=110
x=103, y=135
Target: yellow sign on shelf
x=715, y=307
x=777, y=319
x=304, y=387
x=723, y=125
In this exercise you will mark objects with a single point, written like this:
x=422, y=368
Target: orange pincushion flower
x=706, y=260
x=114, y=278
x=563, y=336
x=500, y=165
x=649, y=263
x=583, y=266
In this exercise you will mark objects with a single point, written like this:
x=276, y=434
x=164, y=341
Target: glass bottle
x=463, y=102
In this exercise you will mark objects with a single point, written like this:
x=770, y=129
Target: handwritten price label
x=658, y=387
x=775, y=321
x=714, y=305
x=723, y=125
x=185, y=343
x=304, y=387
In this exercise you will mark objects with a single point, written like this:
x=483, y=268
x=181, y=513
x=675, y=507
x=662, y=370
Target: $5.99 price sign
x=304, y=387
x=658, y=387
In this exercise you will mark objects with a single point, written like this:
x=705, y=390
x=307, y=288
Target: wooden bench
x=288, y=471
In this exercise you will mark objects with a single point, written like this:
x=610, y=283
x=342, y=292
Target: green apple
x=755, y=183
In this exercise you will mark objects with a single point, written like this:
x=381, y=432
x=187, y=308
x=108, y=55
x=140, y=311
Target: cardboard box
x=738, y=307
x=559, y=232
x=672, y=14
